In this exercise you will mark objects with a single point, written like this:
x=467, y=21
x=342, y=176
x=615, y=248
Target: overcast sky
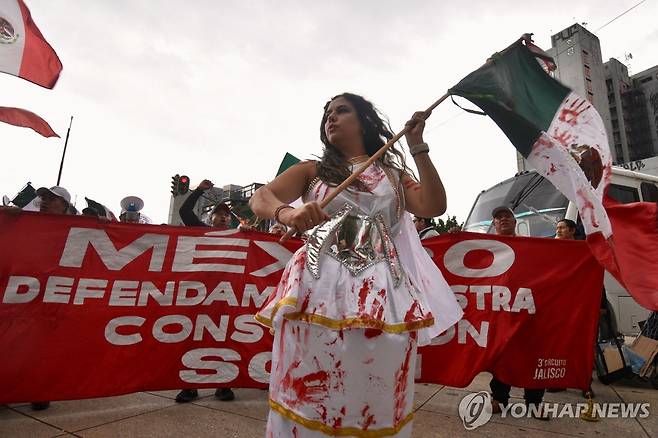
x=222, y=89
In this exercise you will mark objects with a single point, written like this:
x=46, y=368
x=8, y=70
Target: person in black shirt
x=220, y=218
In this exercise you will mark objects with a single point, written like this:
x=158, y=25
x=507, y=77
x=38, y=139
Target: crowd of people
x=363, y=240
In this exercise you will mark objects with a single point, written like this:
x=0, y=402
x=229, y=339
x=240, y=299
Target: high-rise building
x=647, y=82
x=634, y=112
x=577, y=54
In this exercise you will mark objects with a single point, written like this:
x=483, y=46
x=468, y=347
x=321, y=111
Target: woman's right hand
x=303, y=218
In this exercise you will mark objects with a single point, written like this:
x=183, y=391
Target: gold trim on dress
x=342, y=431
x=285, y=301
x=360, y=322
x=339, y=324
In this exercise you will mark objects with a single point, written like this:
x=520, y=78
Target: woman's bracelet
x=278, y=211
x=420, y=148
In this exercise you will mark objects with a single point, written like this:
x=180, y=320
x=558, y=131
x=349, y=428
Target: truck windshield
x=540, y=206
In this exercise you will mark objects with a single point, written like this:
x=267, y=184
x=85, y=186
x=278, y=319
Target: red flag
x=24, y=52
x=26, y=119
x=631, y=253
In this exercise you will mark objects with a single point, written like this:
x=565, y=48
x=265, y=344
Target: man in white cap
x=54, y=200
x=504, y=223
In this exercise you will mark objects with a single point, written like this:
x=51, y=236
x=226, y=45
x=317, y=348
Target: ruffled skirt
x=341, y=382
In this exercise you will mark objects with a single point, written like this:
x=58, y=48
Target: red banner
x=91, y=309
x=531, y=308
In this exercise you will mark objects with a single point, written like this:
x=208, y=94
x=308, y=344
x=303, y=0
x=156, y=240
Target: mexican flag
x=99, y=210
x=24, y=52
x=288, y=161
x=25, y=196
x=563, y=137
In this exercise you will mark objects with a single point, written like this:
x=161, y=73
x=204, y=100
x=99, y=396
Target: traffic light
x=183, y=184
x=175, y=181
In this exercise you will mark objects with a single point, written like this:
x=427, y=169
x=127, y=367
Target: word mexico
x=118, y=308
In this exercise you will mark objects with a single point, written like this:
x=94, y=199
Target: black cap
x=221, y=206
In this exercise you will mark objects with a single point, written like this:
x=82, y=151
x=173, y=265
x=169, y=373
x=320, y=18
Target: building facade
x=577, y=54
x=634, y=112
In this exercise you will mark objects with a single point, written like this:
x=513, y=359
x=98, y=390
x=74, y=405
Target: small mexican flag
x=97, y=209
x=289, y=160
x=25, y=196
x=563, y=137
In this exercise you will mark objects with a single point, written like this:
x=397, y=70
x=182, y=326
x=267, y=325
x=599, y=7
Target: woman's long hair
x=334, y=167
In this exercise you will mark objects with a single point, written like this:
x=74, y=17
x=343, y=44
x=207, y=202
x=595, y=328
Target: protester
x=565, y=229
x=426, y=227
x=220, y=215
x=91, y=211
x=278, y=229
x=351, y=307
x=504, y=223
x=220, y=218
x=98, y=210
x=55, y=200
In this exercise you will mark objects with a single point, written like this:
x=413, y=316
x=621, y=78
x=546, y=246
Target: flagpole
x=66, y=142
x=345, y=184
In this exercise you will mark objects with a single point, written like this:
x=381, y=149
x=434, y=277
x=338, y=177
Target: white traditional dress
x=348, y=314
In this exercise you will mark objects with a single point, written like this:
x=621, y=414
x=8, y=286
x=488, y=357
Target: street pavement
x=156, y=414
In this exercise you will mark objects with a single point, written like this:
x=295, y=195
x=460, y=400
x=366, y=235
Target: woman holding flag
x=355, y=302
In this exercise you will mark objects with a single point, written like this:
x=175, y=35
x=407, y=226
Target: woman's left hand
x=417, y=125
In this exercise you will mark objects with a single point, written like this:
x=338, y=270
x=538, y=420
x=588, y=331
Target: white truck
x=538, y=205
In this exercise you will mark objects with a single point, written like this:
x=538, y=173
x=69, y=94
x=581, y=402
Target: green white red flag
x=24, y=52
x=288, y=161
x=563, y=137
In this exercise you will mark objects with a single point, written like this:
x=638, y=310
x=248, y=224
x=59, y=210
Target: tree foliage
x=445, y=226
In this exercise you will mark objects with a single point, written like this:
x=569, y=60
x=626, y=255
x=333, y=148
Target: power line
x=432, y=127
x=620, y=15
x=429, y=128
